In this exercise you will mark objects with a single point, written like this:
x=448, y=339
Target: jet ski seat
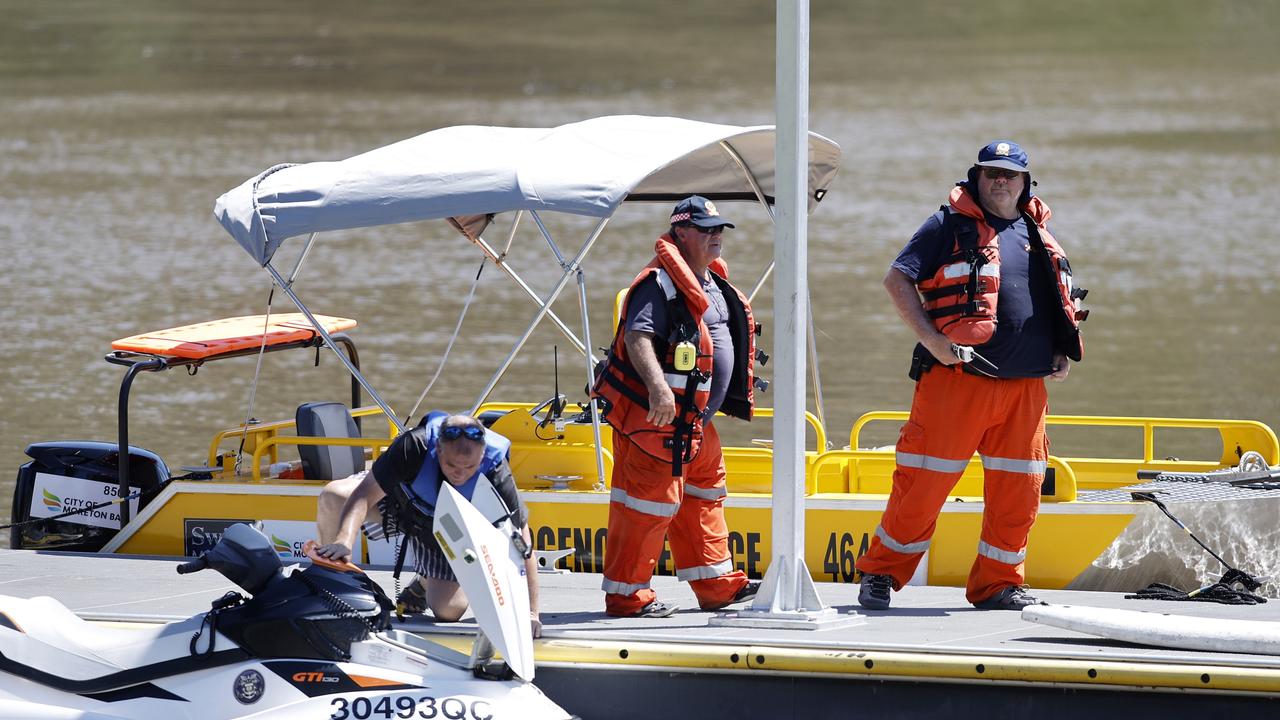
x=41, y=633
x=329, y=420
x=42, y=641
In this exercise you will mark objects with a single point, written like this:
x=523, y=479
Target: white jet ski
x=313, y=643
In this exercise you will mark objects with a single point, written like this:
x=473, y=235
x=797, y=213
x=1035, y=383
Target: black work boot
x=1012, y=597
x=875, y=592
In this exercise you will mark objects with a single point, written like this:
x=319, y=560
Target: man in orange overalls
x=987, y=290
x=684, y=348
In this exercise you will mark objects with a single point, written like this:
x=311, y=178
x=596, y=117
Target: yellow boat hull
x=1067, y=537
x=845, y=494
x=1064, y=541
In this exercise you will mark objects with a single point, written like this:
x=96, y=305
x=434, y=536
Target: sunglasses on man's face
x=998, y=173
x=710, y=231
x=470, y=432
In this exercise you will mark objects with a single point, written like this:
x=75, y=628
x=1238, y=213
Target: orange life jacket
x=961, y=297
x=619, y=384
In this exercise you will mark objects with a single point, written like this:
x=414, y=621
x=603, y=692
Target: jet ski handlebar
x=196, y=565
x=244, y=556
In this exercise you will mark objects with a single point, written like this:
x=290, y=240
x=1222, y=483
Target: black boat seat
x=41, y=633
x=329, y=420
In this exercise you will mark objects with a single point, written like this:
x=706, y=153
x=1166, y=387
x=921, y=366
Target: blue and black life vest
x=426, y=486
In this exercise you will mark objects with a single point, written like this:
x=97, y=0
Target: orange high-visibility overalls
x=647, y=501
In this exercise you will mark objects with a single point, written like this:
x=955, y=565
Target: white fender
x=1162, y=630
x=492, y=573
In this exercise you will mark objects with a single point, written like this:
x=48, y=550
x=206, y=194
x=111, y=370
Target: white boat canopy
x=586, y=168
x=468, y=174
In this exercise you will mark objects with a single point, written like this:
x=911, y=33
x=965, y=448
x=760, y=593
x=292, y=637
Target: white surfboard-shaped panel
x=1255, y=637
x=494, y=580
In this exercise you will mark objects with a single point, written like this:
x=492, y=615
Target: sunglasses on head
x=998, y=173
x=470, y=432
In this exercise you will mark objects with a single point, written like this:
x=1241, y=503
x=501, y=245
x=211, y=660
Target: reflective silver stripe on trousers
x=678, y=382
x=906, y=549
x=616, y=588
x=1030, y=467
x=705, y=572
x=928, y=462
x=648, y=507
x=956, y=270
x=1004, y=556
x=667, y=284
x=710, y=494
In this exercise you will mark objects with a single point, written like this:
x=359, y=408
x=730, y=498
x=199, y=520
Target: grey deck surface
x=923, y=619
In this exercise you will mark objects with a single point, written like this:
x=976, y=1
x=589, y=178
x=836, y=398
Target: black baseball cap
x=699, y=211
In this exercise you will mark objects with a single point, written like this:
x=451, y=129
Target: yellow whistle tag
x=685, y=356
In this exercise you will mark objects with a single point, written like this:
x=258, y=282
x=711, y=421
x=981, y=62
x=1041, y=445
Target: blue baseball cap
x=697, y=210
x=1004, y=154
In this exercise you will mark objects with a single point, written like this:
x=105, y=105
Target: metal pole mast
x=788, y=597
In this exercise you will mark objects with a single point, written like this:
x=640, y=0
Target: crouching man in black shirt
x=453, y=448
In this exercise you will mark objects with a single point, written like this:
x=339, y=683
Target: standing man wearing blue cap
x=987, y=290
x=684, y=348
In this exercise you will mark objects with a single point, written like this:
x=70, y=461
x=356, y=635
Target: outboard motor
x=317, y=612
x=86, y=472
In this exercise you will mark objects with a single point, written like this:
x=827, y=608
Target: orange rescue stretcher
x=216, y=338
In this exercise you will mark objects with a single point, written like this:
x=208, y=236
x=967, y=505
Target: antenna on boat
x=557, y=403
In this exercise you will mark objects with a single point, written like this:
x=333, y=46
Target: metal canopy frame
x=570, y=169
x=137, y=362
x=571, y=268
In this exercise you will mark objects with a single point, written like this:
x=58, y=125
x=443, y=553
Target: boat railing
x=262, y=441
x=561, y=455
x=820, y=434
x=1094, y=473
x=550, y=454
x=871, y=472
